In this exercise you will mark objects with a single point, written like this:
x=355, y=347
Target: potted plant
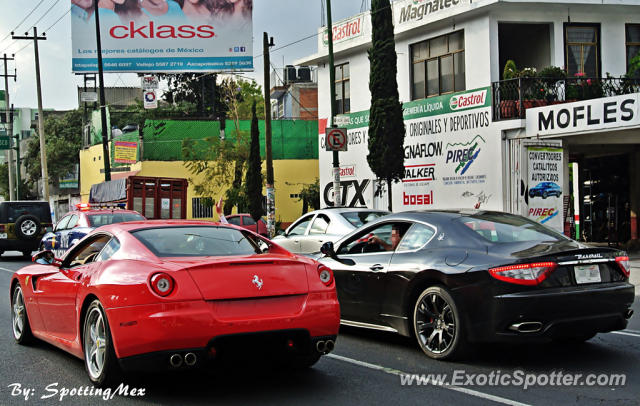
x=509, y=90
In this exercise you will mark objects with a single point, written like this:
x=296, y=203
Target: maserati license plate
x=587, y=273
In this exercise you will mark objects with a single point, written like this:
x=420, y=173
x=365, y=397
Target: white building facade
x=467, y=143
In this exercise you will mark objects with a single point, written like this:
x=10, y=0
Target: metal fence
x=511, y=98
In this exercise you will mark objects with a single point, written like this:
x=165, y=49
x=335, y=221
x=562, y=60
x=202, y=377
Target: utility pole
x=271, y=196
x=17, y=148
x=9, y=117
x=337, y=201
x=43, y=149
x=103, y=101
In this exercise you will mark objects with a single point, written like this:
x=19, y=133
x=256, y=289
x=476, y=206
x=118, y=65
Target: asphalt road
x=365, y=368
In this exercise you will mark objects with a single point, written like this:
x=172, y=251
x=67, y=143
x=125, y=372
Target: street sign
x=341, y=120
x=336, y=139
x=149, y=82
x=150, y=99
x=88, y=97
x=5, y=142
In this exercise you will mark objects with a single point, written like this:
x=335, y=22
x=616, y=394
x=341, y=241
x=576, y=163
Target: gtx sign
x=417, y=10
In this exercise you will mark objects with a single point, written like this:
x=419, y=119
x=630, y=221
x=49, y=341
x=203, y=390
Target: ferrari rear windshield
x=194, y=241
x=507, y=228
x=102, y=219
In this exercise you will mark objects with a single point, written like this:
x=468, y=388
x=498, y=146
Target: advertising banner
x=344, y=31
x=163, y=36
x=452, y=157
x=545, y=186
x=125, y=152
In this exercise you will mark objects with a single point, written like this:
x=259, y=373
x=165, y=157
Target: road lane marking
x=624, y=333
x=466, y=391
x=6, y=270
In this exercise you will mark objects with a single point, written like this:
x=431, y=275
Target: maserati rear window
x=358, y=218
x=196, y=241
x=507, y=228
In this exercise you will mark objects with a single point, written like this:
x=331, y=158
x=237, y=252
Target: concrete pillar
x=634, y=192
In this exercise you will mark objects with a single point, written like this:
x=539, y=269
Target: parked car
x=453, y=277
x=545, y=189
x=173, y=295
x=309, y=232
x=22, y=225
x=77, y=223
x=245, y=220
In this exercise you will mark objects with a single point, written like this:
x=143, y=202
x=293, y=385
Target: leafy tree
x=386, y=125
x=25, y=193
x=253, y=180
x=310, y=196
x=63, y=136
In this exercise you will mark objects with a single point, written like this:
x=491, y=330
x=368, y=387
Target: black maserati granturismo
x=450, y=278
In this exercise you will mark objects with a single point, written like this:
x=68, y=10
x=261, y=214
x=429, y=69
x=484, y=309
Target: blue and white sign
x=163, y=36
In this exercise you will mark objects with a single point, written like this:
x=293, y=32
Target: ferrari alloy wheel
x=437, y=324
x=19, y=320
x=99, y=356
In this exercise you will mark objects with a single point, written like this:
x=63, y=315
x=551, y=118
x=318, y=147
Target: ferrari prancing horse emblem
x=257, y=281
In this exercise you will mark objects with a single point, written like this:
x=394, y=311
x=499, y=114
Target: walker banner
x=545, y=186
x=163, y=36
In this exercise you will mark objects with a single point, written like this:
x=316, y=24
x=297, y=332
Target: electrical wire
x=46, y=12
x=23, y=20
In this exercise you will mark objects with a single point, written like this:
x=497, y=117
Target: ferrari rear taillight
x=623, y=263
x=162, y=284
x=325, y=274
x=524, y=274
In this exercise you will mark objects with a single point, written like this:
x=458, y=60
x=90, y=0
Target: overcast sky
x=285, y=20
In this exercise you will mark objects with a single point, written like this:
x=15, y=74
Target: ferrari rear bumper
x=236, y=349
x=194, y=325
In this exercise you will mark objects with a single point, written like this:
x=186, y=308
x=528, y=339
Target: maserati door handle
x=376, y=267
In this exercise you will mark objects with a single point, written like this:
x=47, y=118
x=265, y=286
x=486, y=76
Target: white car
x=308, y=233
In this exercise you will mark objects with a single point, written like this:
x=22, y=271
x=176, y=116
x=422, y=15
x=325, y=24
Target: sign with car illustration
x=545, y=191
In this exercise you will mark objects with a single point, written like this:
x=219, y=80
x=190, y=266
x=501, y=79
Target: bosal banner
x=163, y=35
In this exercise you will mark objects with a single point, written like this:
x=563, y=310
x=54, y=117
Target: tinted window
x=108, y=250
x=41, y=211
x=506, y=228
x=358, y=218
x=97, y=220
x=417, y=236
x=248, y=221
x=234, y=220
x=196, y=241
x=87, y=252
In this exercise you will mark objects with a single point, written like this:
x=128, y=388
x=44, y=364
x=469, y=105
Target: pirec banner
x=163, y=35
x=545, y=186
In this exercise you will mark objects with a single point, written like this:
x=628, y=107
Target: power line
x=292, y=96
x=45, y=31
x=46, y=12
x=23, y=20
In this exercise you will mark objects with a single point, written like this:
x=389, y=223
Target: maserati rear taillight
x=162, y=284
x=325, y=274
x=524, y=274
x=623, y=263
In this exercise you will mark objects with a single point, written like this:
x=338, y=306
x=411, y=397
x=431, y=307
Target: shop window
x=632, y=41
x=343, y=91
x=582, y=54
x=438, y=66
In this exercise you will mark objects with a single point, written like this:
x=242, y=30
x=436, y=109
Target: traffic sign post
x=336, y=139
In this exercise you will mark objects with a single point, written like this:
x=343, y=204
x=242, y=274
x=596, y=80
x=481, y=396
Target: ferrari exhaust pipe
x=190, y=359
x=628, y=314
x=321, y=347
x=329, y=345
x=176, y=360
x=527, y=327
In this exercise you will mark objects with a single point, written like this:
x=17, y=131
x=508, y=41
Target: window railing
x=511, y=98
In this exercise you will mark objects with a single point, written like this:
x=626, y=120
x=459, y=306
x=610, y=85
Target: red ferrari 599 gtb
x=175, y=294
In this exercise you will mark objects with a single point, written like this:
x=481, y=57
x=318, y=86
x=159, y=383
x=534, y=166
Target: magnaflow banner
x=163, y=35
x=452, y=157
x=545, y=186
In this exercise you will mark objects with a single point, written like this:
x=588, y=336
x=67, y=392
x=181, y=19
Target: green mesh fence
x=163, y=139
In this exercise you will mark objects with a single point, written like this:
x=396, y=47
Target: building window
x=438, y=66
x=343, y=92
x=201, y=208
x=632, y=41
x=582, y=53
